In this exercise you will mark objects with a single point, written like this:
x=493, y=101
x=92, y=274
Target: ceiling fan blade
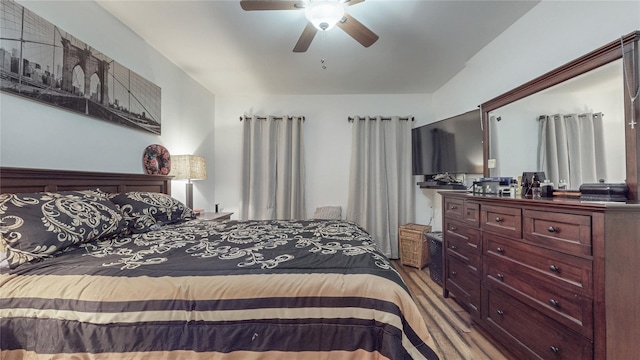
x=356, y=30
x=305, y=39
x=352, y=2
x=250, y=5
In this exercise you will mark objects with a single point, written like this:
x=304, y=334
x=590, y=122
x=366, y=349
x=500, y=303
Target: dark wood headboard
x=21, y=180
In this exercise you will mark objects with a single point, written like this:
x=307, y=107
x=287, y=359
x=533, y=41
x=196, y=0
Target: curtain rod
x=407, y=118
x=542, y=117
x=274, y=117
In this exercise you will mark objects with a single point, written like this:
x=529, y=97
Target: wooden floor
x=455, y=335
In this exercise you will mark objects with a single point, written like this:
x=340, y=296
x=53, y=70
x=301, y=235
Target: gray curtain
x=273, y=174
x=381, y=188
x=494, y=146
x=571, y=148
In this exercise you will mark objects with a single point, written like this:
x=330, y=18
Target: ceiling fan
x=322, y=15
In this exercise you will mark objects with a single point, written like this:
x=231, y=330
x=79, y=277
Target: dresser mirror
x=574, y=123
x=515, y=133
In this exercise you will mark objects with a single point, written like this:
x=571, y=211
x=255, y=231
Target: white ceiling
x=422, y=44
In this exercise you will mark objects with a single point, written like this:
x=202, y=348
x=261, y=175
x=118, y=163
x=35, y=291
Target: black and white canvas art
x=42, y=62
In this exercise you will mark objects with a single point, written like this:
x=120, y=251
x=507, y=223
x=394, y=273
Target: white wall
x=35, y=135
x=327, y=138
x=548, y=36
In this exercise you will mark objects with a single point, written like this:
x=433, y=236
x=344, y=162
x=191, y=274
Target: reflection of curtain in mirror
x=494, y=145
x=571, y=148
x=444, y=151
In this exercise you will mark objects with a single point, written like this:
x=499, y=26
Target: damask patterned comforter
x=205, y=290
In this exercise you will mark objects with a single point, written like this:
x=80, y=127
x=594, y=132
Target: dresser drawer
x=555, y=268
x=471, y=257
x=542, y=337
x=459, y=229
x=501, y=220
x=464, y=243
x=471, y=215
x=454, y=208
x=570, y=233
x=464, y=283
x=573, y=310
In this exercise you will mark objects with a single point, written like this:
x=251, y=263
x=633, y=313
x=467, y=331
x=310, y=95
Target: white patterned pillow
x=145, y=211
x=37, y=225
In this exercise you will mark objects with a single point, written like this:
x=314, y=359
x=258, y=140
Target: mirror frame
x=601, y=56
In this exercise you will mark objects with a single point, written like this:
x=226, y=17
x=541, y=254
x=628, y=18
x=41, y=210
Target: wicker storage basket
x=414, y=245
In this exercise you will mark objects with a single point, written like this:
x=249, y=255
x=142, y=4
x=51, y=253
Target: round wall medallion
x=156, y=160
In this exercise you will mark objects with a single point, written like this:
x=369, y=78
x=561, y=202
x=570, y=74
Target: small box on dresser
x=414, y=245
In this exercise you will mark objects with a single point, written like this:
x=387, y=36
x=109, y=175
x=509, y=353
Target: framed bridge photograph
x=42, y=62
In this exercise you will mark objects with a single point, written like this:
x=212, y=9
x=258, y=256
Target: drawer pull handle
x=500, y=250
x=454, y=273
x=554, y=302
x=452, y=247
x=453, y=207
x=499, y=219
x=554, y=268
x=500, y=276
x=552, y=229
x=500, y=312
x=554, y=349
x=453, y=228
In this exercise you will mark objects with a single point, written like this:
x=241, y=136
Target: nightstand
x=215, y=216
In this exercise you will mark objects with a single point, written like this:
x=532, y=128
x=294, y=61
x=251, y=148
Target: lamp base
x=189, y=195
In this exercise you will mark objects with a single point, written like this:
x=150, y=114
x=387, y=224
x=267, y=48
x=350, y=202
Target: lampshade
x=188, y=167
x=324, y=14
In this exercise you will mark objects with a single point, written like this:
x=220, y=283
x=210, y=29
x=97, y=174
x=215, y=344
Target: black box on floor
x=435, y=248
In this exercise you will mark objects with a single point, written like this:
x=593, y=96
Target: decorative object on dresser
x=602, y=191
x=549, y=279
x=414, y=245
x=189, y=167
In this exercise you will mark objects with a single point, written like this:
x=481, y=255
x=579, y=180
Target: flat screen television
x=452, y=145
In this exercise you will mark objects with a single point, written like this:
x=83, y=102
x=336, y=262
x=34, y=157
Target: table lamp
x=188, y=167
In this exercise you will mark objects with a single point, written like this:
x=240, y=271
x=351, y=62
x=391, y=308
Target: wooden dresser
x=548, y=279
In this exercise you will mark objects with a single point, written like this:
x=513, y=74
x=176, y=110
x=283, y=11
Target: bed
x=144, y=280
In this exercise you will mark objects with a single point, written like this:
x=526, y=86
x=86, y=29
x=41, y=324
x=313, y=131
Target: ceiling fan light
x=324, y=14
